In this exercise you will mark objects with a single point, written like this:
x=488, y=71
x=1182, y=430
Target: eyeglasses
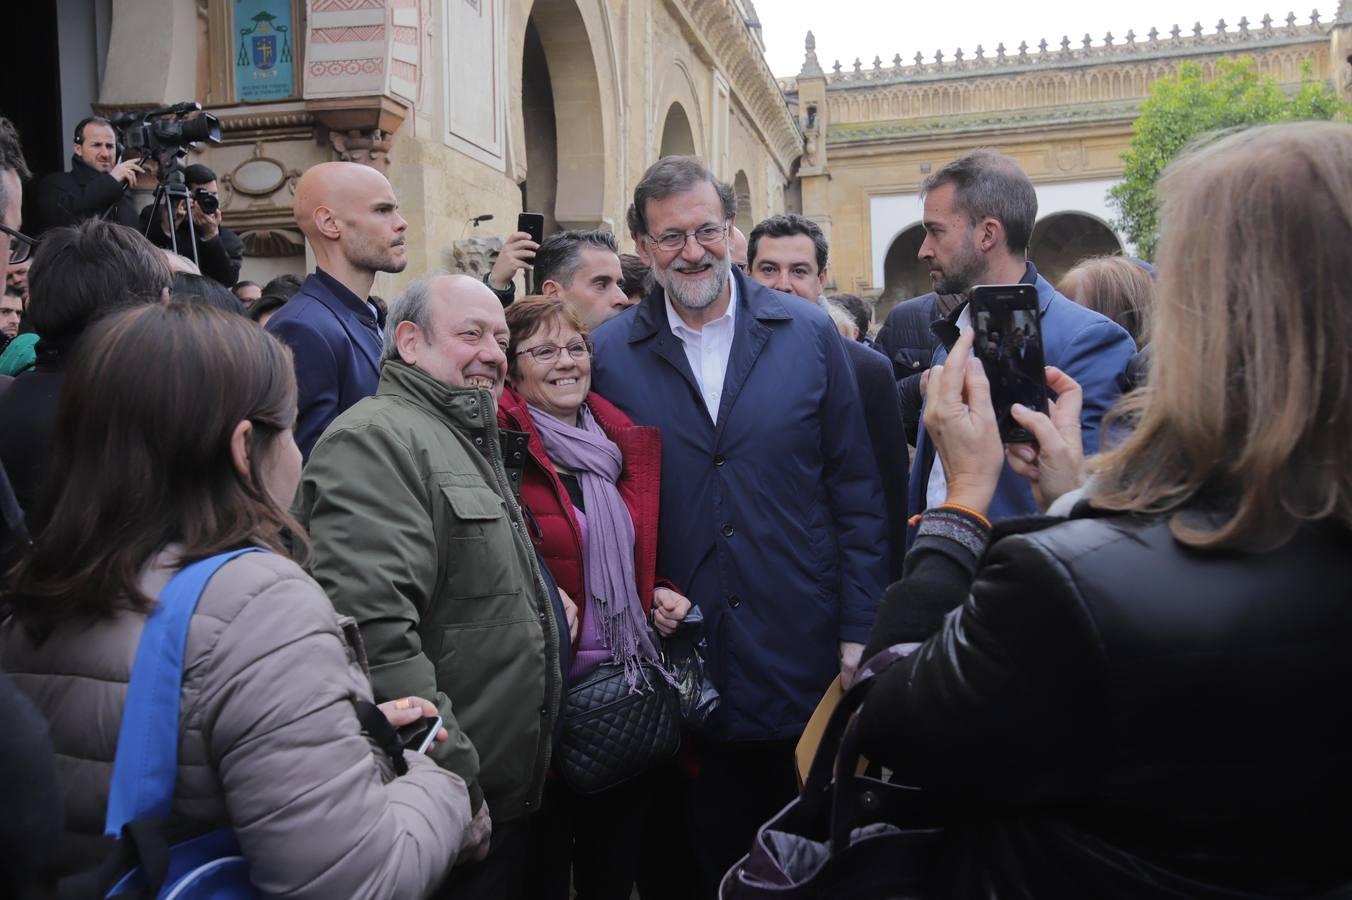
x=706, y=235
x=547, y=353
x=20, y=245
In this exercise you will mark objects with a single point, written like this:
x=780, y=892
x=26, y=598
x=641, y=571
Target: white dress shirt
x=936, y=489
x=708, y=349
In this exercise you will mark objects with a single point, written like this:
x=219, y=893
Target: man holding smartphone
x=979, y=215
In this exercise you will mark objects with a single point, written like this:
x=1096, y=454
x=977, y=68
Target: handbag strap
x=145, y=768
x=817, y=787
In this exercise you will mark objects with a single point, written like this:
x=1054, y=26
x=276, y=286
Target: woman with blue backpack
x=210, y=712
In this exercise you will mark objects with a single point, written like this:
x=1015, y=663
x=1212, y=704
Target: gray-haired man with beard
x=771, y=519
x=351, y=219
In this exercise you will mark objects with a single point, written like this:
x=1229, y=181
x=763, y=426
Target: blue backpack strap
x=146, y=766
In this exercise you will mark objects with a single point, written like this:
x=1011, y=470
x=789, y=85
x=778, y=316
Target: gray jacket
x=269, y=742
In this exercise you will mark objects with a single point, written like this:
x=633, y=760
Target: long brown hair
x=141, y=457
x=1116, y=287
x=1243, y=430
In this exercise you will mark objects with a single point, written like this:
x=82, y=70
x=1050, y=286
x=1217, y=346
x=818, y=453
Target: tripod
x=168, y=192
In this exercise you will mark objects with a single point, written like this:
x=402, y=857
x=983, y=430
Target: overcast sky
x=866, y=28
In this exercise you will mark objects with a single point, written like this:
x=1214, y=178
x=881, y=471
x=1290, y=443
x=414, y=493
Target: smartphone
x=418, y=736
x=533, y=224
x=1007, y=338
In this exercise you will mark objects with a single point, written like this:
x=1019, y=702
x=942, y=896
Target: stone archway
x=1063, y=239
x=741, y=188
x=904, y=275
x=564, y=120
x=678, y=139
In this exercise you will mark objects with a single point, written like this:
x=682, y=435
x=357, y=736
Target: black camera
x=206, y=201
x=166, y=133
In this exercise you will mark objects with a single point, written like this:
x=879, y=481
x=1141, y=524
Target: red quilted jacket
x=553, y=526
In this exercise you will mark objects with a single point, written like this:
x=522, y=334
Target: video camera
x=165, y=134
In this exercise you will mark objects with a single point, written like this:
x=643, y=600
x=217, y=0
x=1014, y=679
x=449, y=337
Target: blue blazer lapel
x=363, y=337
x=756, y=306
x=650, y=325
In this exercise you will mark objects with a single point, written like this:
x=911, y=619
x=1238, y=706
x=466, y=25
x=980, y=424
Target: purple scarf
x=608, y=558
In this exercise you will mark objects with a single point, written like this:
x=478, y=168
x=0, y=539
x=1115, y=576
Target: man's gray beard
x=719, y=275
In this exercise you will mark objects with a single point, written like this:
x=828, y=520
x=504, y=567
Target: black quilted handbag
x=611, y=734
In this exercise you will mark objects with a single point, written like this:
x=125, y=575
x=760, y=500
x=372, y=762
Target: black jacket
x=218, y=258
x=906, y=340
x=1109, y=714
x=67, y=198
x=886, y=435
x=28, y=413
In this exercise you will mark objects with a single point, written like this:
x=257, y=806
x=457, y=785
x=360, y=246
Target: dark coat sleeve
x=316, y=379
x=911, y=405
x=30, y=829
x=882, y=413
x=1004, y=703
x=853, y=488
x=221, y=257
x=935, y=580
x=63, y=201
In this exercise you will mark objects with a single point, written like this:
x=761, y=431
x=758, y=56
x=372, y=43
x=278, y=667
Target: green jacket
x=417, y=535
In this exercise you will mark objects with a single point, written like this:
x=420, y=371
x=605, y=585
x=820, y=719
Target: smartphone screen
x=418, y=736
x=533, y=224
x=1007, y=338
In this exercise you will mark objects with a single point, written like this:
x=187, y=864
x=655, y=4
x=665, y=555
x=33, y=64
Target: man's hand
x=1055, y=466
x=478, y=836
x=207, y=225
x=850, y=657
x=961, y=421
x=407, y=710
x=569, y=613
x=517, y=252
x=180, y=213
x=126, y=172
x=669, y=610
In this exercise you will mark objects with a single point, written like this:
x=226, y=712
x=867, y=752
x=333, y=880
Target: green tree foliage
x=1183, y=107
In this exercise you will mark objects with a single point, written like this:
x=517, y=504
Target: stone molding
x=718, y=27
x=1155, y=46
x=1040, y=96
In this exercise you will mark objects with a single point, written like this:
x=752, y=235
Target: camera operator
x=96, y=185
x=220, y=252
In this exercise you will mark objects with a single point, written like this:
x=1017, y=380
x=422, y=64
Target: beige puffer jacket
x=269, y=740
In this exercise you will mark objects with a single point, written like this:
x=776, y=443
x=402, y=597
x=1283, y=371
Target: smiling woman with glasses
x=590, y=491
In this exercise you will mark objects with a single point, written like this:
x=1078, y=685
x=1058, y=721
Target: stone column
x=814, y=174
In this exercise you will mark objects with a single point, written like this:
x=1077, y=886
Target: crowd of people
x=464, y=507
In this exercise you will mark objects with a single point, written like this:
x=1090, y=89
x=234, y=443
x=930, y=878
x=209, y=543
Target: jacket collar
x=465, y=409
x=358, y=306
x=82, y=171
x=752, y=300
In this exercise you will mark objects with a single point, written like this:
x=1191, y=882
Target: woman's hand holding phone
x=407, y=710
x=1055, y=465
x=961, y=421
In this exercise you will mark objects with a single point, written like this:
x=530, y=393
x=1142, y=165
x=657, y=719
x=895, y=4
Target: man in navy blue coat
x=772, y=513
x=979, y=214
x=789, y=253
x=349, y=215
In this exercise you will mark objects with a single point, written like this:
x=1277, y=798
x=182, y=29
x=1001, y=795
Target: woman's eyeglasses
x=547, y=353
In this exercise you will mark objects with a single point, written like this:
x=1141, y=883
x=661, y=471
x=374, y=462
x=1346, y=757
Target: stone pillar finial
x=810, y=64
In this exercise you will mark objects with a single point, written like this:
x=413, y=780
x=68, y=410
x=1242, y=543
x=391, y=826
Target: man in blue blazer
x=349, y=215
x=771, y=508
x=979, y=214
x=789, y=253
